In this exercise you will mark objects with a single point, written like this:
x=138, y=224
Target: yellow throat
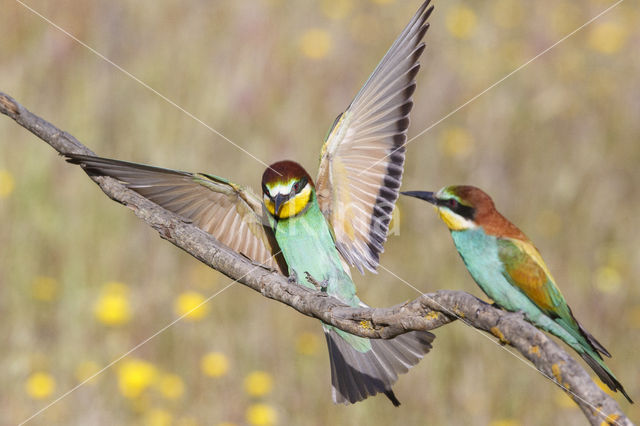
x=292, y=206
x=454, y=222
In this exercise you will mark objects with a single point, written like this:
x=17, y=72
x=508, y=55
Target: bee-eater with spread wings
x=319, y=228
x=509, y=269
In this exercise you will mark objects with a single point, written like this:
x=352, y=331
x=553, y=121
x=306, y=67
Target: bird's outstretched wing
x=232, y=214
x=363, y=156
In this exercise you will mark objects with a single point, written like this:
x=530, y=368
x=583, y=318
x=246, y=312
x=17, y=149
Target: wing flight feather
x=232, y=214
x=363, y=156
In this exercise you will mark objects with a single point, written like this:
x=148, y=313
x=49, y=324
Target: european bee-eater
x=509, y=269
x=317, y=230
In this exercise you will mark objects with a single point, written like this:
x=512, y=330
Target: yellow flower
x=315, y=43
x=7, y=183
x=261, y=415
x=336, y=9
x=40, y=385
x=158, y=417
x=461, y=21
x=214, y=364
x=307, y=343
x=112, y=307
x=170, y=386
x=87, y=369
x=258, y=383
x=456, y=142
x=608, y=279
x=191, y=305
x=607, y=37
x=44, y=288
x=134, y=376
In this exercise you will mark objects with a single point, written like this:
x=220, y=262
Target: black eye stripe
x=449, y=202
x=297, y=187
x=300, y=185
x=460, y=209
x=465, y=211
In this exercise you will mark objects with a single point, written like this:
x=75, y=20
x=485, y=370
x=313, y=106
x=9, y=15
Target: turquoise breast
x=308, y=246
x=479, y=252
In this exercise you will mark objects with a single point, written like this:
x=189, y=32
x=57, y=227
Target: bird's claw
x=293, y=278
x=320, y=286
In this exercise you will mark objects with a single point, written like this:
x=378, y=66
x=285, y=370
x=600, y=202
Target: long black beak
x=423, y=195
x=278, y=201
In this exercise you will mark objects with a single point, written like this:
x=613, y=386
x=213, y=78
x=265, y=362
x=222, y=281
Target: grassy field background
x=82, y=281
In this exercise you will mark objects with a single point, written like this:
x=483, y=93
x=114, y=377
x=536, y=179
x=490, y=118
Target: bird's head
x=461, y=207
x=287, y=189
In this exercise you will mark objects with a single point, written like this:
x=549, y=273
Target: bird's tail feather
x=595, y=345
x=355, y=375
x=592, y=340
x=604, y=374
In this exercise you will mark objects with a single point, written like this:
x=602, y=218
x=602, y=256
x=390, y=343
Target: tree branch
x=427, y=312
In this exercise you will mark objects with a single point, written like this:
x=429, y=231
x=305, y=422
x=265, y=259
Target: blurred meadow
x=83, y=281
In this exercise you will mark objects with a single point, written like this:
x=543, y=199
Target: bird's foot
x=320, y=286
x=293, y=278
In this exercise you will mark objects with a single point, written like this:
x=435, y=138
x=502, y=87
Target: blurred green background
x=82, y=280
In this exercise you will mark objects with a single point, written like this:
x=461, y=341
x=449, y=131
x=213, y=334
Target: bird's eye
x=452, y=204
x=299, y=185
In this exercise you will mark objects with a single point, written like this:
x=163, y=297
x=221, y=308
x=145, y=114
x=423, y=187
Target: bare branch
x=427, y=312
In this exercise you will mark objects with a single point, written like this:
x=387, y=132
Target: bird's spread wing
x=363, y=156
x=233, y=215
x=525, y=269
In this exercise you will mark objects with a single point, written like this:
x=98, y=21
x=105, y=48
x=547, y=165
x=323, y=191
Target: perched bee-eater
x=509, y=269
x=317, y=230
